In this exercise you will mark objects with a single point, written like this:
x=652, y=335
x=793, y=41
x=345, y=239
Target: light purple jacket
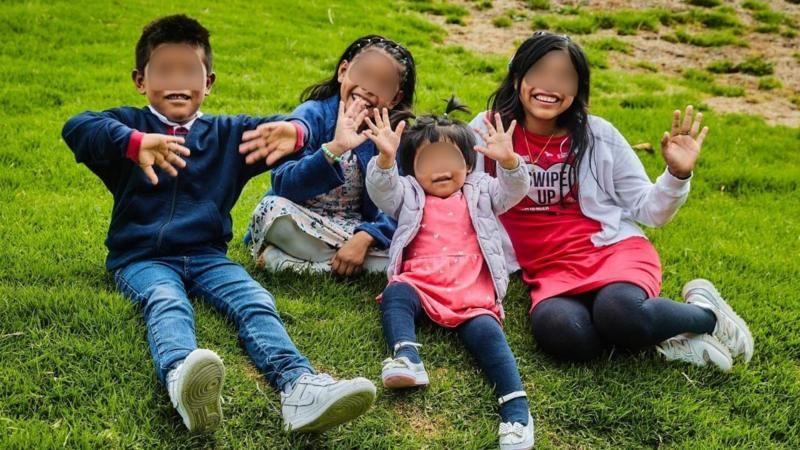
x=403, y=199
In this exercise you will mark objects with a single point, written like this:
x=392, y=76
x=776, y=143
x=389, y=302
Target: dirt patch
x=778, y=106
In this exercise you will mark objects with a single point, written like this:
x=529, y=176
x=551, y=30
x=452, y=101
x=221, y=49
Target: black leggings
x=580, y=328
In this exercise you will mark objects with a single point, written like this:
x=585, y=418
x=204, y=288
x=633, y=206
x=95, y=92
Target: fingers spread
x=702, y=136
x=676, y=120
x=696, y=124
x=687, y=120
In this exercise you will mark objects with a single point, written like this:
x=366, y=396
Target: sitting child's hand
x=161, y=150
x=499, y=143
x=349, y=260
x=680, y=147
x=381, y=134
x=272, y=141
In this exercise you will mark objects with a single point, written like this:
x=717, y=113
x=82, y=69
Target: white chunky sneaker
x=401, y=373
x=195, y=387
x=318, y=402
x=515, y=436
x=731, y=330
x=274, y=259
x=697, y=349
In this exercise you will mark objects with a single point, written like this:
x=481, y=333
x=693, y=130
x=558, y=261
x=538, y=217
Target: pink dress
x=444, y=263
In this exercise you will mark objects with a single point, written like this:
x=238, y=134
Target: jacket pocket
x=137, y=223
x=194, y=224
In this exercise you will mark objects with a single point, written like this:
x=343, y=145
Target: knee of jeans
x=397, y=294
x=163, y=297
x=483, y=328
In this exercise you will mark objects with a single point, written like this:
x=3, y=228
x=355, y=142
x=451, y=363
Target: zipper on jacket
x=171, y=214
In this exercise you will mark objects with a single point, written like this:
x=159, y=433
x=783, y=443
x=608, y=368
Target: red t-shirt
x=552, y=237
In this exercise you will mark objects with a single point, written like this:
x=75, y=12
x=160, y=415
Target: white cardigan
x=617, y=191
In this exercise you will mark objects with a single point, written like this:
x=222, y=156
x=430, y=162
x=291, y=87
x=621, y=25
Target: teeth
x=545, y=98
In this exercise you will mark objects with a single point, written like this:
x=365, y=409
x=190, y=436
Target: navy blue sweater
x=180, y=216
x=308, y=174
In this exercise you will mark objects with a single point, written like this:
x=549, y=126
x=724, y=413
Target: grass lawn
x=75, y=369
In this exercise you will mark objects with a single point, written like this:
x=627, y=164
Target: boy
x=175, y=174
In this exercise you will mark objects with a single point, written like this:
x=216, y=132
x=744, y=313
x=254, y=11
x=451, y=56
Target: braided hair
x=431, y=128
x=408, y=77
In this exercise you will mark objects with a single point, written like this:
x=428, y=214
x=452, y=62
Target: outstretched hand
x=161, y=150
x=385, y=139
x=271, y=141
x=499, y=142
x=681, y=146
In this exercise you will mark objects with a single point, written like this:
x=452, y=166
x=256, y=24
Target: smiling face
x=549, y=87
x=440, y=168
x=175, y=80
x=373, y=76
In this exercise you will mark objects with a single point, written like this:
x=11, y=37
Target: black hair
x=330, y=87
x=177, y=29
x=431, y=128
x=505, y=100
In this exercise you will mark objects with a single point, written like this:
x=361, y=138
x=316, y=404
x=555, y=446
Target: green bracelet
x=330, y=154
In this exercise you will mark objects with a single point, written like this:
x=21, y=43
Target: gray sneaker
x=318, y=402
x=401, y=373
x=731, y=330
x=697, y=349
x=195, y=387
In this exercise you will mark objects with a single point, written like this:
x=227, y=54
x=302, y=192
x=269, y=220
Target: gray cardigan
x=403, y=199
x=617, y=191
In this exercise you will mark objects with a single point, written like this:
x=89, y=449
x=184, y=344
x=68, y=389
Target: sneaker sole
x=725, y=309
x=339, y=411
x=200, y=394
x=403, y=379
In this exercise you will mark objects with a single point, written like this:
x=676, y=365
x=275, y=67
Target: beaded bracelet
x=330, y=154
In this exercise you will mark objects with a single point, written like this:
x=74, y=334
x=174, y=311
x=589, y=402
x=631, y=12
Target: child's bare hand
x=349, y=260
x=386, y=140
x=346, y=137
x=271, y=141
x=161, y=150
x=499, y=142
x=681, y=146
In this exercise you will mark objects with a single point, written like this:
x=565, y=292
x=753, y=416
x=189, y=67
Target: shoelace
x=322, y=379
x=390, y=363
x=516, y=428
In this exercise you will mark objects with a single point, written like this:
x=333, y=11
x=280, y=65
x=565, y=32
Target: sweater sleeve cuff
x=300, y=140
x=674, y=185
x=134, y=144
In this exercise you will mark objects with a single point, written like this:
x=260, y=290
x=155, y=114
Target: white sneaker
x=731, y=330
x=515, y=436
x=401, y=373
x=697, y=349
x=318, y=402
x=195, y=390
x=274, y=259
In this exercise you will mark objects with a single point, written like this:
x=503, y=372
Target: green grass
x=76, y=370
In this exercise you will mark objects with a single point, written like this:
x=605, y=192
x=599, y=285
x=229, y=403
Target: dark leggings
x=482, y=336
x=620, y=314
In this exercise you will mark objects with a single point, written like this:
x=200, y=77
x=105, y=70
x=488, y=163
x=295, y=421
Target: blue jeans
x=162, y=286
x=482, y=336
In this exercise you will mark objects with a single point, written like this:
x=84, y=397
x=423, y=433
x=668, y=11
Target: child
x=169, y=232
x=317, y=215
x=594, y=276
x=445, y=261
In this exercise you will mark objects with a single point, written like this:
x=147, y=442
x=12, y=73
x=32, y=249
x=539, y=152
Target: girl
x=594, y=276
x=317, y=215
x=445, y=262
